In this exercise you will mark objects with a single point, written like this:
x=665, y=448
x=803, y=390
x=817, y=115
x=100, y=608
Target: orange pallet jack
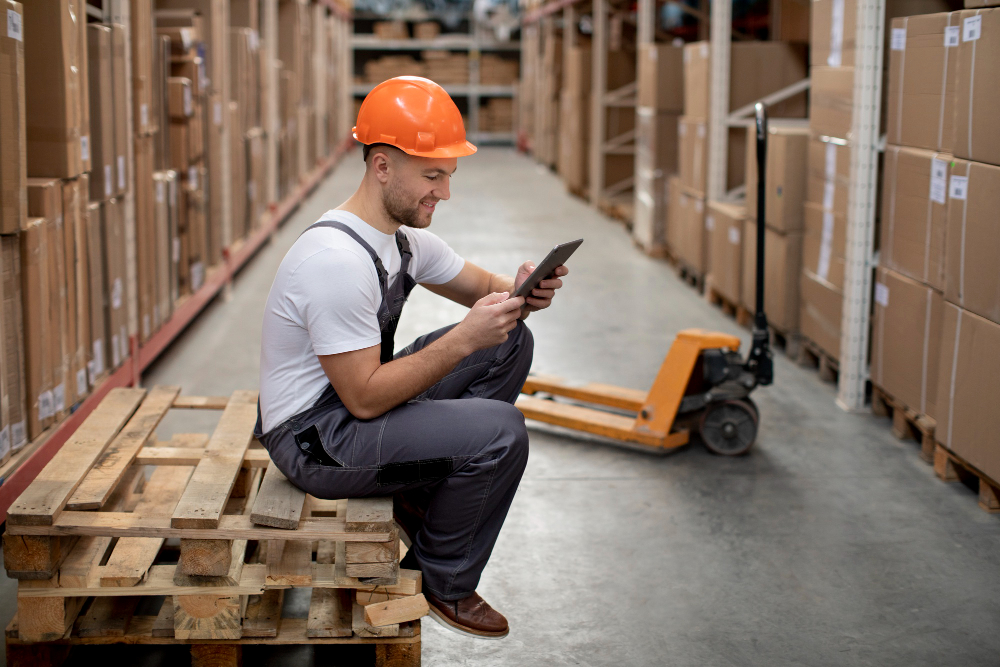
x=703, y=385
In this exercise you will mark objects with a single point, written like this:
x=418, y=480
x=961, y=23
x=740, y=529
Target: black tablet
x=552, y=261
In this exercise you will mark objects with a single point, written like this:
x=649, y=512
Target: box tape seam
x=923, y=369
x=944, y=87
x=961, y=249
x=927, y=232
x=892, y=203
x=954, y=373
x=972, y=87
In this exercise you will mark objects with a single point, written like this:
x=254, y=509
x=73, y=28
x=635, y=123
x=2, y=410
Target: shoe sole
x=463, y=630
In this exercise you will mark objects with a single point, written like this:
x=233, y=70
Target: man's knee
x=512, y=433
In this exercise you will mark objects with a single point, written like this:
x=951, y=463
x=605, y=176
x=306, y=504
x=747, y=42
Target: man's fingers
x=561, y=270
x=509, y=304
x=494, y=298
x=551, y=283
x=542, y=293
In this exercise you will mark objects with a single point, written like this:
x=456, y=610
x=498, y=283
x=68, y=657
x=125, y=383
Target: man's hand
x=541, y=296
x=489, y=321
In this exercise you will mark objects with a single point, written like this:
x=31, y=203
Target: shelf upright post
x=598, y=89
x=718, y=110
x=272, y=124
x=647, y=21
x=861, y=205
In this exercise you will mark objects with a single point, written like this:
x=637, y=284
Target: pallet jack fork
x=703, y=385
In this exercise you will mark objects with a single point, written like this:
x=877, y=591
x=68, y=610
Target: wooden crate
x=907, y=423
x=206, y=524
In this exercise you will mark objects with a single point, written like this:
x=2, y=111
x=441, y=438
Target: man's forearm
x=499, y=283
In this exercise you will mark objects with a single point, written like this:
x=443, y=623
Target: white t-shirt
x=325, y=299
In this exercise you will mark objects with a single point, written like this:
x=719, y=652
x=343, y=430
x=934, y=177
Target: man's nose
x=443, y=191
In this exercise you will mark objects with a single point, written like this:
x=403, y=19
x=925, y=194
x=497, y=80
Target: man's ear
x=381, y=163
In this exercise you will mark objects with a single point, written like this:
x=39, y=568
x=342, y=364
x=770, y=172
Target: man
x=434, y=425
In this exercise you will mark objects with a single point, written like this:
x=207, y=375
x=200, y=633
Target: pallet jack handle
x=759, y=362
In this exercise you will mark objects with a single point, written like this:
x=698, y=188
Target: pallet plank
x=279, y=502
x=330, y=613
x=107, y=617
x=222, y=558
x=404, y=609
x=206, y=494
x=294, y=568
x=263, y=615
x=201, y=402
x=369, y=515
x=107, y=472
x=363, y=628
x=176, y=456
x=44, y=499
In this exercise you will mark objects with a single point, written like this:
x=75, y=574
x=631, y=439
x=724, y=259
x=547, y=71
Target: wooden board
x=206, y=494
x=263, y=615
x=107, y=617
x=201, y=402
x=279, y=502
x=175, y=456
x=369, y=515
x=397, y=611
x=104, y=476
x=46, y=496
x=330, y=613
x=363, y=628
x=294, y=568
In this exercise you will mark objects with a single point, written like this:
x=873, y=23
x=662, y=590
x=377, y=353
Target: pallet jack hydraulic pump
x=703, y=385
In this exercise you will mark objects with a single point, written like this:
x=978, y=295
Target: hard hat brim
x=462, y=149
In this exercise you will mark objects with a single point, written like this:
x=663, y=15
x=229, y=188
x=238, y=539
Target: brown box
x=977, y=94
x=820, y=310
x=54, y=88
x=13, y=142
x=79, y=8
x=724, y=225
x=922, y=77
x=686, y=228
x=790, y=21
x=120, y=107
x=180, y=98
x=782, y=272
x=116, y=313
x=102, y=117
x=256, y=177
x=828, y=175
x=76, y=374
x=12, y=344
x=655, y=161
x=693, y=140
x=426, y=30
x=824, y=244
x=973, y=4
x=245, y=14
x=831, y=105
x=238, y=188
x=142, y=38
x=756, y=69
x=163, y=241
x=390, y=29
x=968, y=392
x=83, y=287
x=906, y=337
x=213, y=14
x=914, y=213
x=833, y=29
x=96, y=272
x=972, y=241
x=661, y=77
x=37, y=332
x=145, y=235
x=785, y=176
x=192, y=69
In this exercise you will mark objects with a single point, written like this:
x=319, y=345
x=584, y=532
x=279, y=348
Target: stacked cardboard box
x=724, y=225
x=446, y=68
x=497, y=115
x=967, y=366
x=785, y=179
x=545, y=140
x=379, y=69
x=426, y=30
x=391, y=30
x=661, y=101
x=495, y=70
x=246, y=119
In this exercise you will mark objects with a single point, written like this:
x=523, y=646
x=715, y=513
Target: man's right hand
x=489, y=321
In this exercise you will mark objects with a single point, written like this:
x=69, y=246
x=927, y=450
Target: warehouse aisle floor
x=831, y=544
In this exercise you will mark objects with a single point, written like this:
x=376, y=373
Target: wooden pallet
x=950, y=467
x=734, y=309
x=907, y=423
x=789, y=343
x=204, y=521
x=689, y=275
x=621, y=210
x=813, y=356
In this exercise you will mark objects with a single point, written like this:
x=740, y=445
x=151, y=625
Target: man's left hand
x=541, y=296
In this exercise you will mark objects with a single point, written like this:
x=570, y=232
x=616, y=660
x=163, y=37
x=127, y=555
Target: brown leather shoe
x=470, y=616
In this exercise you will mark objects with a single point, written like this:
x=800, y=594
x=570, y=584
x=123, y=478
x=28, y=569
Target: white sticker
x=116, y=358
x=882, y=294
x=4, y=442
x=161, y=192
x=14, y=30
x=144, y=114
x=255, y=42
x=186, y=38
x=831, y=160
x=18, y=436
x=939, y=181
x=145, y=326
x=826, y=246
x=121, y=172
x=188, y=103
x=197, y=275
x=829, y=190
x=972, y=28
x=108, y=180
x=123, y=339
x=699, y=205
x=59, y=398
x=116, y=294
x=952, y=35
x=193, y=177
x=81, y=382
x=203, y=82
x=710, y=222
x=218, y=114
x=959, y=187
x=177, y=250
x=704, y=49
x=98, y=357
x=734, y=235
x=898, y=40
x=85, y=147
x=45, y=405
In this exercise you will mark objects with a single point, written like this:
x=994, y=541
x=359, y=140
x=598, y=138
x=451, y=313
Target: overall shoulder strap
x=383, y=275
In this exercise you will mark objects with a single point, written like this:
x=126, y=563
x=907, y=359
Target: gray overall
x=455, y=453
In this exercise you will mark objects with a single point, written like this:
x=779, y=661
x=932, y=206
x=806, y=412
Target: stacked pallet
x=90, y=540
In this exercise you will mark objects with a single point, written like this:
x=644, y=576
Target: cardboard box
x=915, y=213
x=824, y=244
x=256, y=178
x=756, y=69
x=13, y=141
x=655, y=161
x=245, y=14
x=834, y=25
x=661, y=77
x=972, y=241
x=58, y=145
x=574, y=128
x=687, y=220
x=782, y=272
x=37, y=331
x=820, y=311
x=785, y=176
x=76, y=374
x=238, y=160
x=79, y=8
x=426, y=30
x=831, y=109
x=83, y=287
x=217, y=206
x=693, y=140
x=724, y=225
x=163, y=241
x=142, y=41
x=790, y=21
x=174, y=202
x=97, y=272
x=906, y=338
x=12, y=369
x=977, y=94
x=214, y=17
x=102, y=118
x=120, y=107
x=116, y=313
x=967, y=420
x=828, y=176
x=161, y=97
x=922, y=77
x=180, y=98
x=145, y=235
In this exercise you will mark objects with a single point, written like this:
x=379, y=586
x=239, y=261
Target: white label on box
x=188, y=103
x=144, y=114
x=81, y=382
x=218, y=114
x=704, y=49
x=45, y=405
x=255, y=42
x=108, y=180
x=116, y=294
x=123, y=340
x=939, y=181
x=959, y=187
x=898, y=40
x=882, y=294
x=202, y=76
x=197, y=275
x=18, y=436
x=972, y=28
x=835, y=59
x=831, y=161
x=116, y=357
x=85, y=147
x=701, y=131
x=4, y=442
x=92, y=373
x=177, y=250
x=59, y=398
x=952, y=35
x=829, y=190
x=734, y=235
x=826, y=246
x=699, y=205
x=145, y=326
x=186, y=37
x=121, y=172
x=14, y=30
x=98, y=357
x=710, y=222
x=161, y=192
x=193, y=177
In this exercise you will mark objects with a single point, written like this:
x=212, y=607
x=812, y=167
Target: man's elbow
x=361, y=410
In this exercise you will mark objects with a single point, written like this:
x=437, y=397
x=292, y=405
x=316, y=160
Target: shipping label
x=85, y=148
x=116, y=295
x=939, y=181
x=121, y=172
x=108, y=180
x=123, y=341
x=972, y=28
x=952, y=35
x=710, y=222
x=959, y=188
x=14, y=29
x=882, y=294
x=59, y=398
x=45, y=405
x=4, y=442
x=81, y=382
x=734, y=235
x=18, y=436
x=116, y=358
x=898, y=40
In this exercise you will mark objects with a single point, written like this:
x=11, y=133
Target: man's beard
x=397, y=209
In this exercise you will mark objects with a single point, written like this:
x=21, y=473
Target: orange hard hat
x=415, y=115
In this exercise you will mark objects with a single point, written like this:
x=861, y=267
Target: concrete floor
x=831, y=544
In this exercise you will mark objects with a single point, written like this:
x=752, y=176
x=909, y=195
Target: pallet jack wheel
x=729, y=428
